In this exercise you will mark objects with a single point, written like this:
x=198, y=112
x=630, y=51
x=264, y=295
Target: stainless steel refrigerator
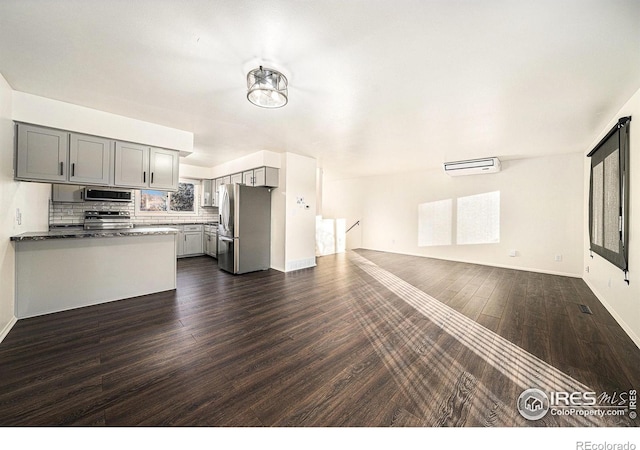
x=244, y=228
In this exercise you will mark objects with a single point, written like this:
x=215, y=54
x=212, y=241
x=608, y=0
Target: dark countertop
x=215, y=224
x=72, y=233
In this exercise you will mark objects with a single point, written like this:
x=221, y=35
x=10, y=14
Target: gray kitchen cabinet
x=247, y=177
x=90, y=159
x=132, y=165
x=209, y=241
x=42, y=153
x=179, y=240
x=265, y=176
x=69, y=193
x=62, y=157
x=139, y=166
x=206, y=243
x=163, y=168
x=261, y=176
x=207, y=198
x=192, y=237
x=236, y=178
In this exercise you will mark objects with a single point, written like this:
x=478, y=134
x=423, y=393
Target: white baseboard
x=300, y=264
x=627, y=329
x=7, y=328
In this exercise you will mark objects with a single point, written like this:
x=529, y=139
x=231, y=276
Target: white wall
x=32, y=199
x=342, y=199
x=251, y=161
x=300, y=212
x=279, y=220
x=293, y=214
x=194, y=172
x=541, y=212
x=604, y=279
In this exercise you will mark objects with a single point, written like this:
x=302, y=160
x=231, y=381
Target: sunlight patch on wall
x=435, y=223
x=479, y=219
x=476, y=219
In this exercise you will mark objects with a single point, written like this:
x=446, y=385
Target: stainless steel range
x=107, y=220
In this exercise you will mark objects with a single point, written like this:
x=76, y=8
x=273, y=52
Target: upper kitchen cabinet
x=42, y=153
x=132, y=165
x=47, y=154
x=63, y=157
x=207, y=197
x=90, y=159
x=262, y=176
x=139, y=166
x=163, y=165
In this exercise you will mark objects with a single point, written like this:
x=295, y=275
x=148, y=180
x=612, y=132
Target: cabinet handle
x=73, y=169
x=151, y=177
x=61, y=168
x=144, y=177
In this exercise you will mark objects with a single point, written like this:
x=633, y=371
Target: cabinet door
x=42, y=153
x=216, y=198
x=236, y=178
x=207, y=193
x=67, y=193
x=192, y=243
x=247, y=177
x=89, y=159
x=266, y=176
x=163, y=165
x=132, y=165
x=179, y=241
x=206, y=243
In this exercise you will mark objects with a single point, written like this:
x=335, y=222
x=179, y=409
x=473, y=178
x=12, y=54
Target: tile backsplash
x=72, y=213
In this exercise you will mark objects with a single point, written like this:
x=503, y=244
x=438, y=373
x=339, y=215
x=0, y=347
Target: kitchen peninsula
x=61, y=270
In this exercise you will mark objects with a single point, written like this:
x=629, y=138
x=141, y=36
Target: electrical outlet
x=558, y=258
x=18, y=217
x=513, y=253
x=586, y=269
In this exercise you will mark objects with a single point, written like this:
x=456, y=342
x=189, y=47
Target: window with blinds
x=609, y=196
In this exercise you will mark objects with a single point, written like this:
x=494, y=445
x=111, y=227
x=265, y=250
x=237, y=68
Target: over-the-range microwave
x=107, y=195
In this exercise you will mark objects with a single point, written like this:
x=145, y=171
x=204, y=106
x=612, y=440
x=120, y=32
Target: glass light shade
x=267, y=88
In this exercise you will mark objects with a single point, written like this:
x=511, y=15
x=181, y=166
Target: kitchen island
x=65, y=269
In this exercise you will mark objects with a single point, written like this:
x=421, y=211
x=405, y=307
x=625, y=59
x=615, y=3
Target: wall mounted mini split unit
x=472, y=166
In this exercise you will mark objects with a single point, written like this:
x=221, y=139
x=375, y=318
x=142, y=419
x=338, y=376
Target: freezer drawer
x=227, y=254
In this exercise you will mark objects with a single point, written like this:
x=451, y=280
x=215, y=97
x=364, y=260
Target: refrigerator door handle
x=226, y=209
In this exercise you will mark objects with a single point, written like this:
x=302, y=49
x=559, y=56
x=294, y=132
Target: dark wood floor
x=363, y=339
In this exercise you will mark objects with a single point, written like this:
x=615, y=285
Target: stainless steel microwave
x=108, y=195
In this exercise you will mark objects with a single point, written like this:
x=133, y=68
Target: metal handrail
x=351, y=227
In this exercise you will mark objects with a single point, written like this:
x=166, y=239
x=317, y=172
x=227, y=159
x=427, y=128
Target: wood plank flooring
x=363, y=339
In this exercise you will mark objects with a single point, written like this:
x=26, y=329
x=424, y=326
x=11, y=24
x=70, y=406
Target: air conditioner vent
x=472, y=166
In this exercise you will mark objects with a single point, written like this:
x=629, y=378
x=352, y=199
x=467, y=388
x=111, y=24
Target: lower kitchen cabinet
x=190, y=240
x=210, y=241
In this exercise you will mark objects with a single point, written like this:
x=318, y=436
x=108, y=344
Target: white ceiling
x=374, y=86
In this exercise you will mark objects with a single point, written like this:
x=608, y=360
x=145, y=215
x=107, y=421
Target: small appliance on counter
x=107, y=220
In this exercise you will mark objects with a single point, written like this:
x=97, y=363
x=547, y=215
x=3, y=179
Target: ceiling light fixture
x=267, y=88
